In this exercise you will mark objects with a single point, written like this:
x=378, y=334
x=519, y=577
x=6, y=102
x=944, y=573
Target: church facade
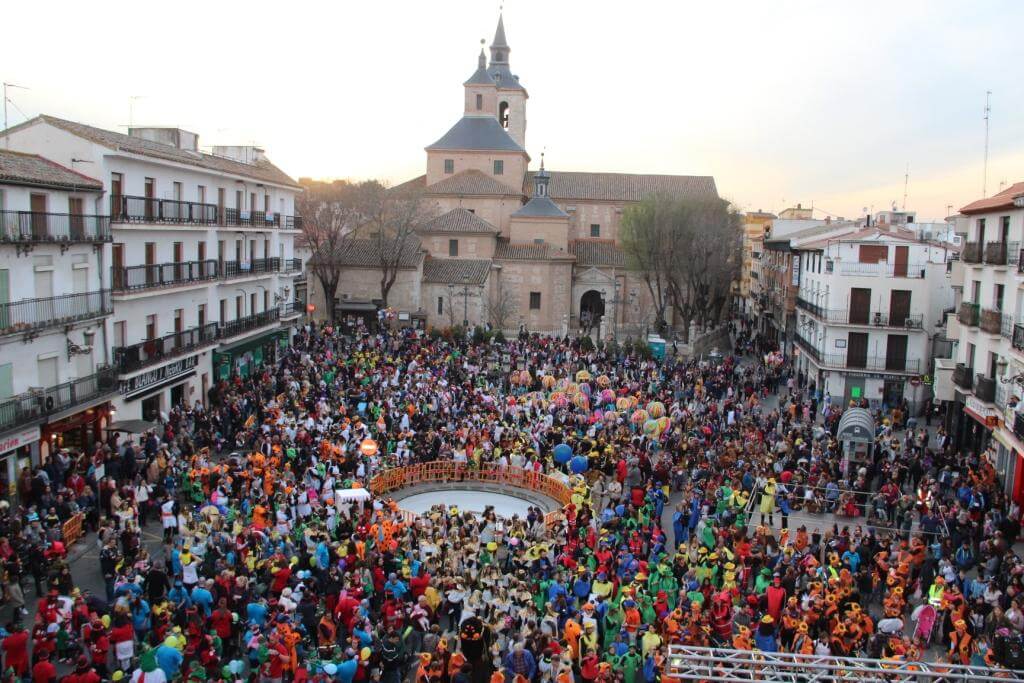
x=512, y=246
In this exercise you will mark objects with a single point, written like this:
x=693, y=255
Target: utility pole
x=7, y=140
x=988, y=112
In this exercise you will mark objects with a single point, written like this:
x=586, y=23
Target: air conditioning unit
x=878, y=319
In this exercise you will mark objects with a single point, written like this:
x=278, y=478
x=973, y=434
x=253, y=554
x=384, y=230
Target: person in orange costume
x=961, y=643
x=571, y=632
x=743, y=639
x=803, y=644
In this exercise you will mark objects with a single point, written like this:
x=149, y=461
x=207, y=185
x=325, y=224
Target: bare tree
x=390, y=218
x=330, y=218
x=502, y=310
x=648, y=242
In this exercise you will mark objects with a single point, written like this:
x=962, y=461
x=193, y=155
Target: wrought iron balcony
x=809, y=348
x=865, y=318
x=985, y=388
x=873, y=363
x=971, y=253
x=233, y=269
x=31, y=226
x=31, y=315
x=1018, y=425
x=251, y=219
x=292, y=265
x=30, y=407
x=130, y=209
x=963, y=376
x=137, y=278
x=969, y=314
x=1006, y=326
x=995, y=253
x=902, y=270
x=153, y=351
x=991, y=321
x=1018, y=337
x=293, y=222
x=250, y=322
x=1020, y=261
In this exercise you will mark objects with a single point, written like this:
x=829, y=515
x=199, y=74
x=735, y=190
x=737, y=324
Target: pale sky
x=782, y=102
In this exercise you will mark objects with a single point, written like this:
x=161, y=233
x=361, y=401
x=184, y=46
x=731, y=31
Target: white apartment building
x=55, y=379
x=868, y=306
x=201, y=262
x=986, y=388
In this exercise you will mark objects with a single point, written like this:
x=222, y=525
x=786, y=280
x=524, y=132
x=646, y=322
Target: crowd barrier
x=71, y=530
x=453, y=472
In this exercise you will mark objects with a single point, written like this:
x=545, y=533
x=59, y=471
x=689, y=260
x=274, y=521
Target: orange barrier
x=516, y=477
x=71, y=530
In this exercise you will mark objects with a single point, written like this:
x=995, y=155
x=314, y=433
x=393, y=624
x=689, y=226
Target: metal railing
x=867, y=318
x=963, y=376
x=36, y=314
x=31, y=226
x=293, y=222
x=250, y=322
x=292, y=265
x=1020, y=261
x=135, y=278
x=292, y=308
x=907, y=270
x=972, y=253
x=132, y=209
x=1018, y=425
x=808, y=347
x=253, y=219
x=991, y=321
x=873, y=363
x=968, y=314
x=985, y=388
x=995, y=253
x=153, y=351
x=1006, y=326
x=35, y=405
x=232, y=269
x=1018, y=337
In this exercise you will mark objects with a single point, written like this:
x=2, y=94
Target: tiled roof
x=527, y=252
x=472, y=182
x=597, y=253
x=477, y=133
x=540, y=207
x=451, y=270
x=365, y=253
x=259, y=170
x=623, y=187
x=32, y=169
x=1002, y=200
x=458, y=220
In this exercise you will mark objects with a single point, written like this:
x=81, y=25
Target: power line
x=988, y=112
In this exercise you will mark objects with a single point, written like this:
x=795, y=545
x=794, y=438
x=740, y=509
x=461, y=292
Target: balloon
x=623, y=404
x=365, y=654
x=561, y=402
x=582, y=401
x=582, y=376
x=656, y=409
x=547, y=381
x=225, y=671
x=330, y=668
x=598, y=414
x=664, y=423
x=236, y=666
x=638, y=417
x=651, y=428
x=525, y=379
x=106, y=620
x=579, y=464
x=562, y=453
x=607, y=396
x=603, y=381
x=610, y=416
x=585, y=388
x=368, y=447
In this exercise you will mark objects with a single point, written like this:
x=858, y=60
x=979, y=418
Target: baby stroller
x=926, y=618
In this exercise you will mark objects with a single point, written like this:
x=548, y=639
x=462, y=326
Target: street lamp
x=465, y=301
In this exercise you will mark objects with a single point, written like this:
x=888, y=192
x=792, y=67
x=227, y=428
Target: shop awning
x=250, y=342
x=857, y=426
x=132, y=426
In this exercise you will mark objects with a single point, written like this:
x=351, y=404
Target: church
x=509, y=246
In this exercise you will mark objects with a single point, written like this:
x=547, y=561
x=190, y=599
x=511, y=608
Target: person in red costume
x=775, y=596
x=15, y=648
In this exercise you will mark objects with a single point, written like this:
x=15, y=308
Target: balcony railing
x=1006, y=326
x=995, y=253
x=873, y=363
x=968, y=314
x=37, y=314
x=971, y=253
x=30, y=226
x=30, y=407
x=963, y=376
x=252, y=219
x=1020, y=261
x=985, y=388
x=250, y=322
x=1018, y=337
x=867, y=318
x=232, y=269
x=991, y=321
x=907, y=270
x=1013, y=253
x=809, y=348
x=291, y=265
x=129, y=209
x=136, y=278
x=293, y=222
x=153, y=351
x=1018, y=425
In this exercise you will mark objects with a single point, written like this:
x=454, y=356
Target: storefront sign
x=22, y=438
x=132, y=387
x=984, y=414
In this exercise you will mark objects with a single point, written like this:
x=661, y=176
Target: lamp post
x=465, y=302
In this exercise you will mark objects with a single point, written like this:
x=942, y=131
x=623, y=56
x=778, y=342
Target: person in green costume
x=763, y=580
x=630, y=664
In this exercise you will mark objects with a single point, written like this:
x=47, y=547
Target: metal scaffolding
x=719, y=664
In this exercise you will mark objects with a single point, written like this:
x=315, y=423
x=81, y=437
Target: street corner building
x=517, y=248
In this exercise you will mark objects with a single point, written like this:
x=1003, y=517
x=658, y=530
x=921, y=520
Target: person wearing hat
x=83, y=672
x=767, y=505
x=765, y=639
x=44, y=671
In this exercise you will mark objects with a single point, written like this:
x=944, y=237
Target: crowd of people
x=680, y=471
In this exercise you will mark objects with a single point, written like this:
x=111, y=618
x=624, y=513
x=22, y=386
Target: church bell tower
x=511, y=95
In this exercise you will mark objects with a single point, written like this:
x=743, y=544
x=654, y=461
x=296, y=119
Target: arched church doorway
x=591, y=310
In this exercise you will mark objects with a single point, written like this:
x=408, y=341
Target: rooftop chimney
x=247, y=154
x=174, y=137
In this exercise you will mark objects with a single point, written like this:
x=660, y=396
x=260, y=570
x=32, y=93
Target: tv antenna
x=906, y=179
x=7, y=139
x=988, y=113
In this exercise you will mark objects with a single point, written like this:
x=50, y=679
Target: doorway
x=151, y=408
x=591, y=310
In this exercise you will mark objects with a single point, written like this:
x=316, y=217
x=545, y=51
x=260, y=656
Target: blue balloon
x=579, y=464
x=562, y=453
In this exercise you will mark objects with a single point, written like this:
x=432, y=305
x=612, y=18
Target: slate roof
x=540, y=207
x=365, y=253
x=1002, y=200
x=452, y=271
x=261, y=170
x=471, y=182
x=17, y=168
x=622, y=187
x=477, y=133
x=527, y=251
x=459, y=220
x=597, y=253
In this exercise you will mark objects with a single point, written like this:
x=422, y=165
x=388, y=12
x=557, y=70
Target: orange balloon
x=368, y=447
